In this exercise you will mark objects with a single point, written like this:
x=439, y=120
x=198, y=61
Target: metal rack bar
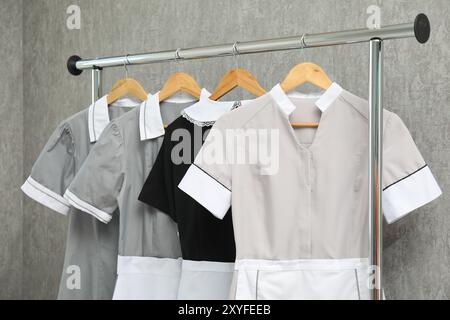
x=97, y=84
x=376, y=163
x=420, y=29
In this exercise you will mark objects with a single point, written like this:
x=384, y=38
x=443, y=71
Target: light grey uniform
x=91, y=251
x=300, y=219
x=111, y=178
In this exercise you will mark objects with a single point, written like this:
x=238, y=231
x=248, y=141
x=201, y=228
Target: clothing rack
x=420, y=29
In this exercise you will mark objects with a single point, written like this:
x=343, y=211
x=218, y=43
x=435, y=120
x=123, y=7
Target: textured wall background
x=11, y=150
x=417, y=255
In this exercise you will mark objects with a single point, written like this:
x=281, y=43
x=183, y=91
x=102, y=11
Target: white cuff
x=207, y=191
x=410, y=193
x=86, y=207
x=45, y=196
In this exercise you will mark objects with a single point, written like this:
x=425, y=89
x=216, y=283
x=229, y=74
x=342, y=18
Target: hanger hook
x=177, y=55
x=125, y=63
x=302, y=41
x=303, y=45
x=235, y=49
x=236, y=53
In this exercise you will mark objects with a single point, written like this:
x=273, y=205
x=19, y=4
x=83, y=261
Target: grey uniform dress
x=111, y=178
x=300, y=198
x=207, y=243
x=89, y=270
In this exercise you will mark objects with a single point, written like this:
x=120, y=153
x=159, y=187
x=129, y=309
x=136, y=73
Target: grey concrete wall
x=11, y=150
x=417, y=249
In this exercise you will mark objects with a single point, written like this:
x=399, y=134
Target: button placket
x=309, y=170
x=309, y=207
x=306, y=210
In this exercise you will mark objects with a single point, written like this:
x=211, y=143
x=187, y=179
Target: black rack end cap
x=72, y=65
x=422, y=28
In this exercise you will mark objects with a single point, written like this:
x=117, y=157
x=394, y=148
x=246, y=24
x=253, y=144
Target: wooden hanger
x=237, y=77
x=307, y=72
x=125, y=87
x=118, y=84
x=180, y=82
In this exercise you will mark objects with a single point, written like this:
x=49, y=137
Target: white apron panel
x=147, y=278
x=204, y=280
x=345, y=279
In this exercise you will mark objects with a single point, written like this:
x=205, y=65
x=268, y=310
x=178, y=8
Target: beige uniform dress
x=300, y=200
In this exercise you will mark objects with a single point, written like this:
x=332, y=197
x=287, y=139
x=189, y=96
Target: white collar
x=181, y=97
x=206, y=111
x=150, y=120
x=98, y=117
x=323, y=103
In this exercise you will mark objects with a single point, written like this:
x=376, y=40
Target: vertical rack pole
x=96, y=84
x=376, y=164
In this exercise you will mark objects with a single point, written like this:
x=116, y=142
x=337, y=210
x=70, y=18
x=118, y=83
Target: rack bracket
x=422, y=28
x=72, y=65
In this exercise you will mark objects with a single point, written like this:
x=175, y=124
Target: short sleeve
x=53, y=171
x=158, y=190
x=407, y=180
x=97, y=185
x=209, y=179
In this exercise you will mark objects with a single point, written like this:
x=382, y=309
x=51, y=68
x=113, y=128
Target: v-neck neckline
x=324, y=102
x=317, y=135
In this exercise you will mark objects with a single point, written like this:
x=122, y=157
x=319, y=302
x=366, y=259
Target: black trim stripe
x=212, y=177
x=409, y=175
